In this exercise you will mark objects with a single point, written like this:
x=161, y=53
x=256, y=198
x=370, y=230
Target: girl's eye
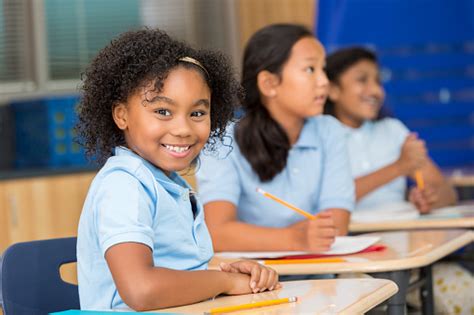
x=310, y=69
x=198, y=114
x=163, y=112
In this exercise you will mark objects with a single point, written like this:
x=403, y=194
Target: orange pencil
x=420, y=182
x=227, y=309
x=300, y=211
x=301, y=261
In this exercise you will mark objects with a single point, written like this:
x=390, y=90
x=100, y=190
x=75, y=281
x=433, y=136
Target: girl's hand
x=261, y=278
x=413, y=155
x=314, y=235
x=423, y=199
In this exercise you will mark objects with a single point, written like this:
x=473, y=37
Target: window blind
x=13, y=42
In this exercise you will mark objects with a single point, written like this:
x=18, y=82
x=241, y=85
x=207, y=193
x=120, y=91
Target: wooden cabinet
x=45, y=207
x=253, y=15
x=41, y=207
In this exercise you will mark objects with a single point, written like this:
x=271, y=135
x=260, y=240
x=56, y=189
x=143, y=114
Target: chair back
x=31, y=281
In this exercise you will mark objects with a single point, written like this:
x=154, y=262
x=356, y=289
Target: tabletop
x=328, y=296
x=404, y=250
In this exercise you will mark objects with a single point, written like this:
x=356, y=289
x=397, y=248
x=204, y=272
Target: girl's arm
x=437, y=192
x=145, y=287
x=230, y=234
x=368, y=183
x=413, y=156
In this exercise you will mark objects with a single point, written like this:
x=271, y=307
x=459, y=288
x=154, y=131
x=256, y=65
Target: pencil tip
x=260, y=190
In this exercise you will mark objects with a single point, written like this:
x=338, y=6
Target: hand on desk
x=250, y=277
x=423, y=199
x=314, y=235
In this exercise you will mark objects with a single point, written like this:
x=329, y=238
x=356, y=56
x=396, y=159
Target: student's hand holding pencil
x=315, y=235
x=413, y=155
x=258, y=277
x=423, y=199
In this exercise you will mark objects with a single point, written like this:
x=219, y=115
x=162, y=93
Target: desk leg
x=426, y=291
x=397, y=303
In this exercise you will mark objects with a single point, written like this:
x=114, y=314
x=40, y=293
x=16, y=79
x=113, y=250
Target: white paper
x=343, y=245
x=451, y=212
x=396, y=211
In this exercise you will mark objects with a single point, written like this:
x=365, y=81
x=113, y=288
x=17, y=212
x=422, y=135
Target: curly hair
x=134, y=60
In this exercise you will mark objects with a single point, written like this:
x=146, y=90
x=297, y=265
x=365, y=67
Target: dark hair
x=340, y=61
x=261, y=139
x=134, y=60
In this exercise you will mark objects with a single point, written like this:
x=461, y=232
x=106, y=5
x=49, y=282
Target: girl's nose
x=377, y=89
x=322, y=79
x=181, y=128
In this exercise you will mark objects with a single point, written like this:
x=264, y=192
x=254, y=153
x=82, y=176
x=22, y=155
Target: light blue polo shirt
x=317, y=177
x=372, y=146
x=130, y=200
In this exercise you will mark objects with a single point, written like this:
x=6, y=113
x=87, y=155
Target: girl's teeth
x=176, y=149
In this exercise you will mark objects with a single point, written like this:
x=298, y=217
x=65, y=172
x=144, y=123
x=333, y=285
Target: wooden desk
x=460, y=177
x=334, y=296
x=460, y=219
x=405, y=250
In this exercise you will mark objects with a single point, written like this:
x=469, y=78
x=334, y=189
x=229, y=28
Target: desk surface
x=436, y=220
x=334, y=296
x=405, y=250
x=461, y=177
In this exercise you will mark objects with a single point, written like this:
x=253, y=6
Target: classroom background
x=426, y=51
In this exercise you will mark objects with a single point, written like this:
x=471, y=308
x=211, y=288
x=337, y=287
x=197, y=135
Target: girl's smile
x=178, y=151
x=358, y=95
x=168, y=128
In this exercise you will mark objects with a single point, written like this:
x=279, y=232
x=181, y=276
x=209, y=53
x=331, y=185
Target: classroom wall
x=256, y=14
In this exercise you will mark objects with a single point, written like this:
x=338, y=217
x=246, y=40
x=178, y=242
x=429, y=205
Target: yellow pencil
x=302, y=261
x=420, y=182
x=300, y=211
x=227, y=309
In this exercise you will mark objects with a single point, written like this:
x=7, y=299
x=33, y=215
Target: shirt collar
x=174, y=183
x=366, y=126
x=308, y=137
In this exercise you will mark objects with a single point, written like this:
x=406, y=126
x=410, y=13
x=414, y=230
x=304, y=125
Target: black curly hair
x=134, y=60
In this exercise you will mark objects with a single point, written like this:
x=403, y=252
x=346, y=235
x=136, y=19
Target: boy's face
x=169, y=128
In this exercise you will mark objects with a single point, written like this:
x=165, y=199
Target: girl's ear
x=334, y=92
x=267, y=83
x=120, y=115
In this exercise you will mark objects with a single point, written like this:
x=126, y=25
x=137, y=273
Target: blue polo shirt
x=317, y=177
x=372, y=146
x=130, y=200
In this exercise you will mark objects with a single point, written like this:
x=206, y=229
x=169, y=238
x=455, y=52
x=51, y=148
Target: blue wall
x=426, y=50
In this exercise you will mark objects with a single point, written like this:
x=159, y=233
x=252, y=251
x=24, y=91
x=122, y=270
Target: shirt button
x=366, y=165
x=185, y=196
x=296, y=171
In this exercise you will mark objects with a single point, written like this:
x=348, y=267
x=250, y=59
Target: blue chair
x=31, y=281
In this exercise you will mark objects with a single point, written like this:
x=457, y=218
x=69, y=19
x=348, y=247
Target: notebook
x=343, y=245
x=79, y=312
x=394, y=211
x=453, y=212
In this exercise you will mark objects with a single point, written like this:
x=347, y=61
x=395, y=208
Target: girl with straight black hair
x=283, y=146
